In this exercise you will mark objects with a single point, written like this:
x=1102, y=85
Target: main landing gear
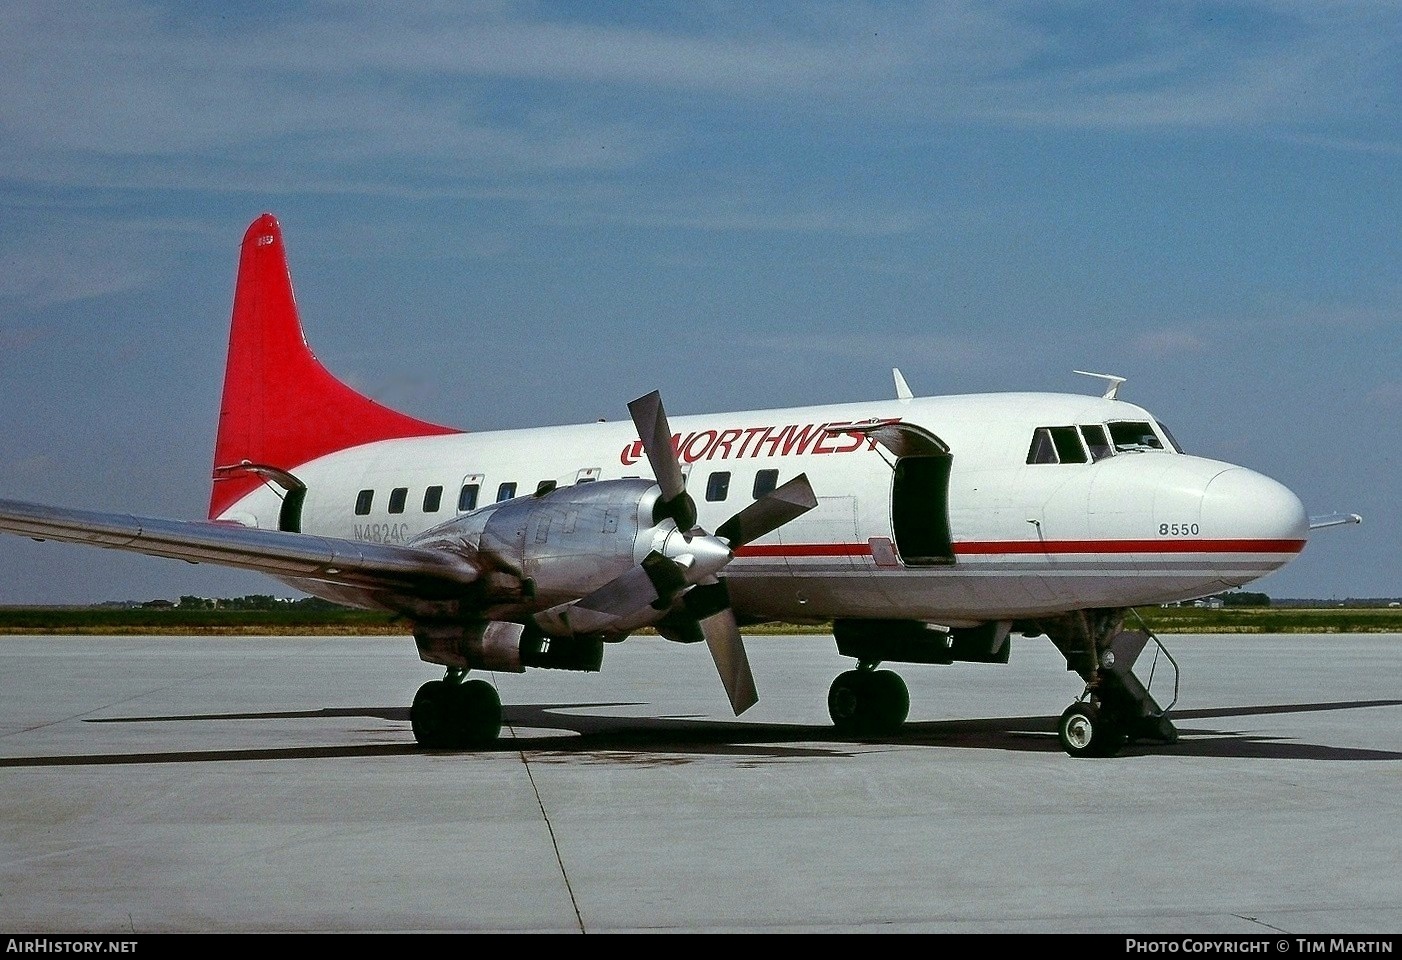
x=455, y=713
x=868, y=702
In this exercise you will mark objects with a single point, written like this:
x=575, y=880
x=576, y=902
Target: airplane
x=923, y=530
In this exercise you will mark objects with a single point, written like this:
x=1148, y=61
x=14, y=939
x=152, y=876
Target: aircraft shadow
x=667, y=741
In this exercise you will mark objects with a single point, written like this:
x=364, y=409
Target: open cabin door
x=919, y=491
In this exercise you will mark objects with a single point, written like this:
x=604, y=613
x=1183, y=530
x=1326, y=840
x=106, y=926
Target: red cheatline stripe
x=1131, y=546
x=805, y=550
x=1037, y=547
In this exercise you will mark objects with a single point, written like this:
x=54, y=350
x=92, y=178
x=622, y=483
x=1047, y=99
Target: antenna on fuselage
x=1112, y=381
x=902, y=388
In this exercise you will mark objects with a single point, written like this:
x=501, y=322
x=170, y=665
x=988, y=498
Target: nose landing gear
x=1087, y=731
x=1116, y=706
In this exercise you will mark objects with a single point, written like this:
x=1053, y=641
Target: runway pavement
x=220, y=784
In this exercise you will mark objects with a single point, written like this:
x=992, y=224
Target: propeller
x=688, y=569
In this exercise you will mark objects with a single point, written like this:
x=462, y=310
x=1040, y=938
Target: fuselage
x=1034, y=503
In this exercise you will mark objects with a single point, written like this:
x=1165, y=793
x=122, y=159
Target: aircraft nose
x=1242, y=504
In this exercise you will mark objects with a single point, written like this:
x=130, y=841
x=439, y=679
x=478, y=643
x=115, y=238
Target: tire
x=847, y=699
x=868, y=703
x=429, y=715
x=476, y=714
x=1086, y=731
x=455, y=716
x=890, y=701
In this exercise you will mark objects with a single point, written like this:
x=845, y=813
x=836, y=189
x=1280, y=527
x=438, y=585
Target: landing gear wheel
x=429, y=716
x=1087, y=731
x=845, y=701
x=867, y=702
x=455, y=715
x=476, y=714
x=891, y=700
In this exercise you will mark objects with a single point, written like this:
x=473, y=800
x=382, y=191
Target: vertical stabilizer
x=281, y=407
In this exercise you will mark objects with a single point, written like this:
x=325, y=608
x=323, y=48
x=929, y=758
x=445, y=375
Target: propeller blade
x=710, y=604
x=728, y=651
x=656, y=435
x=654, y=582
x=769, y=512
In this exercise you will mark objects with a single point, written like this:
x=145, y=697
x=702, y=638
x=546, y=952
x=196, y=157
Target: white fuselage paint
x=1028, y=539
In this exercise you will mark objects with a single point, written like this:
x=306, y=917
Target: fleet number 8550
x=1178, y=529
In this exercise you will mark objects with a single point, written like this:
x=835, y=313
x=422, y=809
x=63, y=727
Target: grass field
x=1274, y=619
x=291, y=622
x=295, y=622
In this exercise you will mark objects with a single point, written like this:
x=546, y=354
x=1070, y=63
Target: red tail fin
x=281, y=407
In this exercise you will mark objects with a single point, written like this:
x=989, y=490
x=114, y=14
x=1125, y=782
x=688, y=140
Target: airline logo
x=771, y=441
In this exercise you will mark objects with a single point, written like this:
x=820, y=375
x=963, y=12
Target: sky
x=509, y=214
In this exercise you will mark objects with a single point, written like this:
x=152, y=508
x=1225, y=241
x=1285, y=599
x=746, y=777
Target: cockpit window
x=1068, y=445
x=1056, y=445
x=1172, y=440
x=1130, y=435
x=1097, y=442
x=1042, y=449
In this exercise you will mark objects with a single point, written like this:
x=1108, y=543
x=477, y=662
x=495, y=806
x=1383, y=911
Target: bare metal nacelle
x=541, y=554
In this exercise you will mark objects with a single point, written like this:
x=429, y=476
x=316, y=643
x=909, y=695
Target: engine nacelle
x=507, y=647
x=557, y=546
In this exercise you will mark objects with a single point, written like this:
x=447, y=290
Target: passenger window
x=506, y=491
x=363, y=501
x=765, y=482
x=397, y=496
x=433, y=499
x=1134, y=435
x=718, y=485
x=467, y=497
x=1042, y=449
x=1097, y=441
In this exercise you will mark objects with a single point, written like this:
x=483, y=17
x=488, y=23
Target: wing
x=274, y=552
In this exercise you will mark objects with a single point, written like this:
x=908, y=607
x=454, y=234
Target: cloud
x=1164, y=343
x=54, y=260
x=918, y=348
x=1388, y=396
x=434, y=97
x=64, y=277
x=858, y=220
x=18, y=339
